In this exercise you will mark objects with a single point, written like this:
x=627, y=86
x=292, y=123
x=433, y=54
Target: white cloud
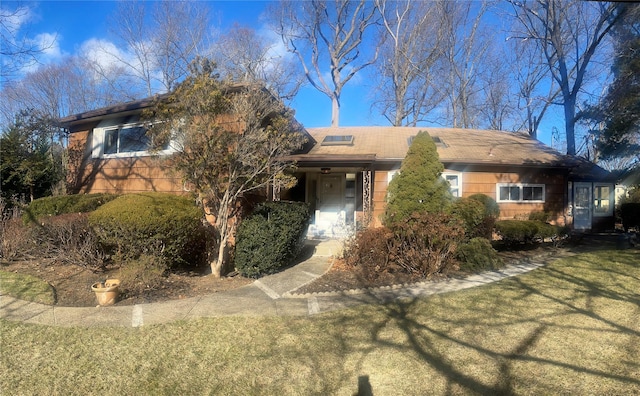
x=13, y=20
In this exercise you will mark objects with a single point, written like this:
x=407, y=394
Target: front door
x=582, y=206
x=330, y=204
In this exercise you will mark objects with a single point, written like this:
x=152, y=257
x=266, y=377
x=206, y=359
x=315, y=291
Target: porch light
x=325, y=171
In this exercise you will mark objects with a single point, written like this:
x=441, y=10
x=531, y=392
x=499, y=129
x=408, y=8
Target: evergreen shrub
x=163, y=225
x=527, y=231
x=63, y=204
x=418, y=186
x=477, y=254
x=544, y=217
x=491, y=215
x=270, y=237
x=472, y=214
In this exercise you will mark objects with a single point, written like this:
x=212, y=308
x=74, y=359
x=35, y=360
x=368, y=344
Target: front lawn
x=572, y=327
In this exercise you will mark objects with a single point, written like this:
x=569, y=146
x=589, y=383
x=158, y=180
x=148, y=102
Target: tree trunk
x=570, y=123
x=335, y=111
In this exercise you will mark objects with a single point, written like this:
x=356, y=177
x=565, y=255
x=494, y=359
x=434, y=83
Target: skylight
x=436, y=139
x=337, y=140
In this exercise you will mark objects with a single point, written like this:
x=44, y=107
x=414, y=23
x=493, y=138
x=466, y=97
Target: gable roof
x=470, y=146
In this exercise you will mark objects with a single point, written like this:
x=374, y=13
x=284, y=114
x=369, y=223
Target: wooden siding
x=479, y=182
x=116, y=175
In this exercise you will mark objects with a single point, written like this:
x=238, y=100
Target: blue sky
x=74, y=23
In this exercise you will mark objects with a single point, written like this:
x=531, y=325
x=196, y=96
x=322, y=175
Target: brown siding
x=117, y=175
x=379, y=194
x=485, y=183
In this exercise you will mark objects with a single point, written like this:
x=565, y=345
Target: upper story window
x=113, y=139
x=520, y=192
x=455, y=183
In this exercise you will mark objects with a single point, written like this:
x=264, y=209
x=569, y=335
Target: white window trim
x=98, y=144
x=459, y=176
x=520, y=185
x=609, y=212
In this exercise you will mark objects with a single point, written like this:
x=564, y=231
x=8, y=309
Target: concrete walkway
x=270, y=295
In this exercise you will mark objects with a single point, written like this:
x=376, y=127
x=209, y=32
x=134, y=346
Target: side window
x=455, y=183
x=602, y=200
x=520, y=192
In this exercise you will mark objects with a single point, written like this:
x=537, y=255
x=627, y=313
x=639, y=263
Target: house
x=343, y=173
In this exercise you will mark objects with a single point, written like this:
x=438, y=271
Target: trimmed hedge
x=162, y=225
x=478, y=254
x=271, y=237
x=63, y=204
x=527, y=231
x=472, y=214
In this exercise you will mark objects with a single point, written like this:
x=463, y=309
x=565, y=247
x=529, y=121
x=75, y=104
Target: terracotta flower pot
x=107, y=292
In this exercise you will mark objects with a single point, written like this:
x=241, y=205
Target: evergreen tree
x=417, y=187
x=618, y=113
x=28, y=164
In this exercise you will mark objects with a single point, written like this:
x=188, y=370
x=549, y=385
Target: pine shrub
x=478, y=255
x=418, y=186
x=271, y=237
x=163, y=225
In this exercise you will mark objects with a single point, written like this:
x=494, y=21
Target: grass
x=572, y=327
x=26, y=287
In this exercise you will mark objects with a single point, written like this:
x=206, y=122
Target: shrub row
x=161, y=225
x=271, y=237
x=63, y=204
x=527, y=231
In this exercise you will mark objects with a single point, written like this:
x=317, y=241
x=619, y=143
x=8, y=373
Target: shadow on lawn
x=565, y=301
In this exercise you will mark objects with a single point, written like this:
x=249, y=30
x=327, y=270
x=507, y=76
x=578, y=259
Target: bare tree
x=406, y=91
x=231, y=141
x=244, y=56
x=17, y=50
x=159, y=43
x=328, y=36
x=568, y=32
x=465, y=46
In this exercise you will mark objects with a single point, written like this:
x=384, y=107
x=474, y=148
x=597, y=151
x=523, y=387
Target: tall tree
x=466, y=44
x=617, y=115
x=30, y=166
x=244, y=56
x=160, y=40
x=17, y=50
x=328, y=36
x=406, y=91
x=231, y=141
x=568, y=32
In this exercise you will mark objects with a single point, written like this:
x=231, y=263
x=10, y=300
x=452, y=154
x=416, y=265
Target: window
x=126, y=140
x=455, y=183
x=121, y=138
x=520, y=192
x=602, y=200
x=337, y=140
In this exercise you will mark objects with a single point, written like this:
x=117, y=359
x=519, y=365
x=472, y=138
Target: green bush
x=418, y=186
x=527, y=231
x=271, y=237
x=142, y=274
x=477, y=254
x=544, y=217
x=472, y=214
x=63, y=204
x=162, y=225
x=491, y=215
x=630, y=214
